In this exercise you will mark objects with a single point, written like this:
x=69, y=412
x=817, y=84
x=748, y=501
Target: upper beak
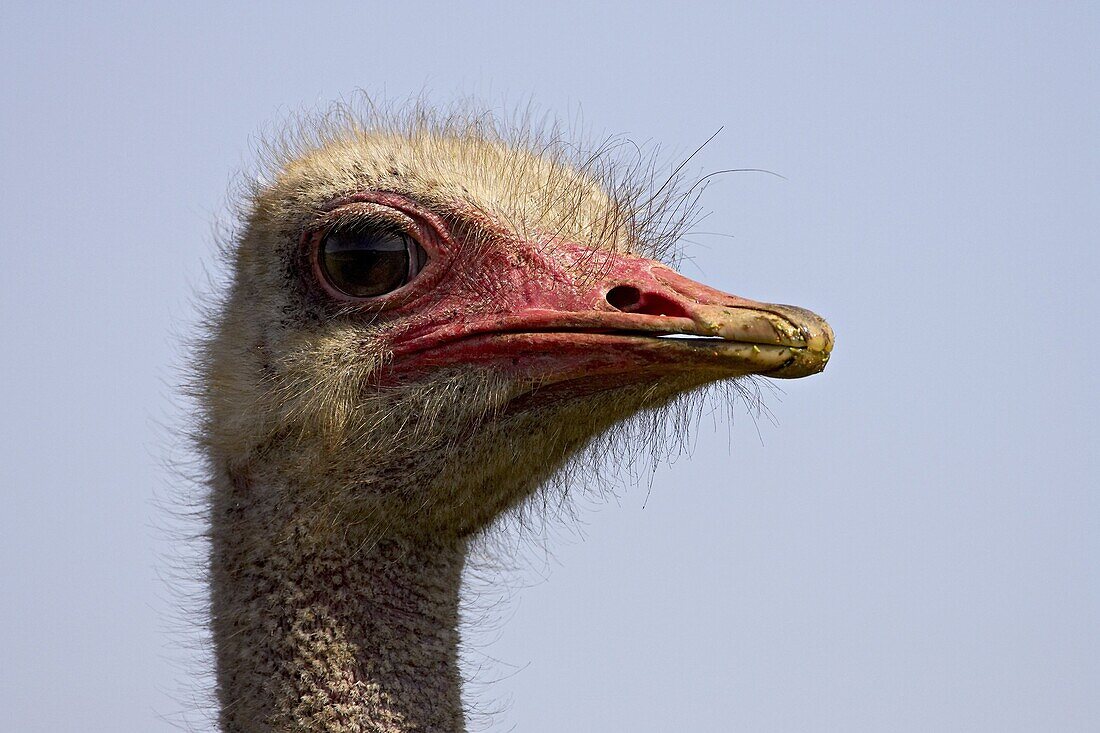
x=638, y=317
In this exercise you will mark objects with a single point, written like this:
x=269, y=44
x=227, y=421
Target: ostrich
x=426, y=322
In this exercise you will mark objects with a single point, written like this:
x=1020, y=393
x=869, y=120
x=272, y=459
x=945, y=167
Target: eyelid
x=371, y=215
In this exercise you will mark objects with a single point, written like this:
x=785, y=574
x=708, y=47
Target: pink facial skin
x=554, y=311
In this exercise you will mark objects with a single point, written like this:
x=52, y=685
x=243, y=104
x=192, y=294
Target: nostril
x=624, y=297
x=630, y=299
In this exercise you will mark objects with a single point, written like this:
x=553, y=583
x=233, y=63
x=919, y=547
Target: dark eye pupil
x=364, y=264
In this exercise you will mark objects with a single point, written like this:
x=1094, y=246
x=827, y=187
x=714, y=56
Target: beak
x=781, y=341
x=637, y=320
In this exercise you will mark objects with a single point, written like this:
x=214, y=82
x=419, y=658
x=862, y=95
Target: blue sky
x=909, y=543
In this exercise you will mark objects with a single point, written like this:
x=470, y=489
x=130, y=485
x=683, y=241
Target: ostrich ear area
x=636, y=321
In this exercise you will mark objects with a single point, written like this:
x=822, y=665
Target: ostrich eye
x=366, y=263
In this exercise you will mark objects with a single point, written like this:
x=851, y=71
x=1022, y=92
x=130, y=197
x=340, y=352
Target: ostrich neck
x=331, y=634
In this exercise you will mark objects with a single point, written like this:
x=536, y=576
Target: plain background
x=911, y=544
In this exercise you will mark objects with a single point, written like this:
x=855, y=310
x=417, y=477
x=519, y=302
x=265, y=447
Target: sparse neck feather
x=333, y=633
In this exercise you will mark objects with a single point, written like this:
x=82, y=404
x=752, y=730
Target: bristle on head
x=524, y=172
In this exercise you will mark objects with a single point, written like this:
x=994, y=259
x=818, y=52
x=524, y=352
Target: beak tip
x=815, y=331
x=821, y=339
x=818, y=337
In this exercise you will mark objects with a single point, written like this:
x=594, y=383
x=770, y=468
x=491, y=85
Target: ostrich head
x=425, y=323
